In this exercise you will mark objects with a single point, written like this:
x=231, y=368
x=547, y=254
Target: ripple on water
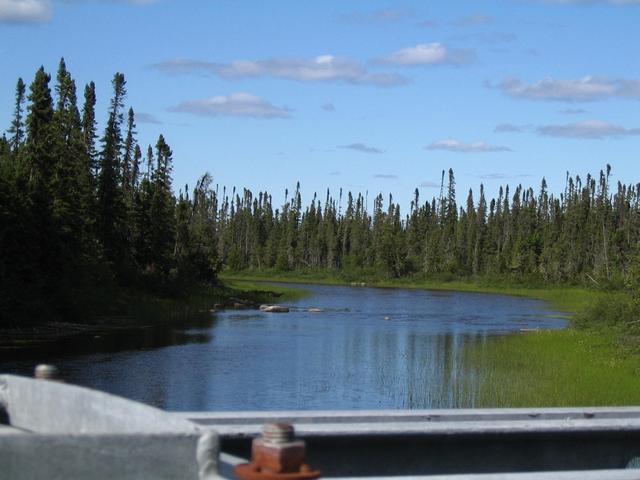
x=347, y=356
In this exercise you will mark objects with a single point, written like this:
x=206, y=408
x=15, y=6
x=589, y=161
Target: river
x=367, y=348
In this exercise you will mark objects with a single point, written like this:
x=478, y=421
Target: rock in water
x=274, y=308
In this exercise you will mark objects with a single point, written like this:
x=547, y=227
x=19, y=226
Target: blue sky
x=363, y=95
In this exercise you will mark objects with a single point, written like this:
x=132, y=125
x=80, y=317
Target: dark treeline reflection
x=181, y=327
x=368, y=348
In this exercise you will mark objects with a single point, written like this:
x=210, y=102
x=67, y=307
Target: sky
x=367, y=96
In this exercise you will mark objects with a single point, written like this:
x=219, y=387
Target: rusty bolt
x=276, y=455
x=47, y=372
x=277, y=433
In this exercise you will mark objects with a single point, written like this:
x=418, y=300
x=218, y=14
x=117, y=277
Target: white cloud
x=585, y=89
x=361, y=147
x=429, y=184
x=379, y=16
x=594, y=129
x=236, y=105
x=323, y=68
x=510, y=128
x=486, y=38
x=143, y=117
x=38, y=11
x=25, y=11
x=629, y=88
x=572, y=111
x=474, y=20
x=427, y=54
x=453, y=145
x=329, y=107
x=386, y=176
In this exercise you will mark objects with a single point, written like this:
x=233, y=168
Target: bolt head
x=47, y=372
x=278, y=458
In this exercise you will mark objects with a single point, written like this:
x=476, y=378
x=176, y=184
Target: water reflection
x=368, y=348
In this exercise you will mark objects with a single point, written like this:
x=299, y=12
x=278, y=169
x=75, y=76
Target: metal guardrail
x=447, y=442
x=54, y=430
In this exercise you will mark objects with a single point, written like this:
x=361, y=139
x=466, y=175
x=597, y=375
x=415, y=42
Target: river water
x=367, y=349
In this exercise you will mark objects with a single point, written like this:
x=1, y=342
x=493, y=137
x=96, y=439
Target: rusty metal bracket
x=276, y=456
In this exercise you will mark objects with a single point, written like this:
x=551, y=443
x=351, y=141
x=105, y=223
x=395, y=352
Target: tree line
x=83, y=213
x=589, y=233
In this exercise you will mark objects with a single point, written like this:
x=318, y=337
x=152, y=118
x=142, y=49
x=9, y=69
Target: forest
x=84, y=215
x=587, y=233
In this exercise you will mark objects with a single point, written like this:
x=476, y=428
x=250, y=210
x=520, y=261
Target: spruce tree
x=41, y=141
x=111, y=208
x=162, y=209
x=71, y=178
x=17, y=129
x=89, y=127
x=127, y=159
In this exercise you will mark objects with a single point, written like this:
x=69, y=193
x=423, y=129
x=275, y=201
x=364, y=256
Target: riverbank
x=592, y=362
x=559, y=368
x=566, y=299
x=139, y=311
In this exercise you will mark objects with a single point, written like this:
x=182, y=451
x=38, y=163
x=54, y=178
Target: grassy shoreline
x=570, y=367
x=565, y=299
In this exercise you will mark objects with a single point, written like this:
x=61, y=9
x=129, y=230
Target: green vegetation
x=554, y=368
x=578, y=251
x=87, y=229
x=260, y=293
x=588, y=235
x=594, y=362
x=569, y=299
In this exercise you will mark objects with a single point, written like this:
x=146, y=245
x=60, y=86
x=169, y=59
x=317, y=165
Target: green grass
x=553, y=368
x=593, y=362
x=265, y=293
x=568, y=299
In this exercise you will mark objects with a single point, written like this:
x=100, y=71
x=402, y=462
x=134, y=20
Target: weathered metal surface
x=576, y=475
x=276, y=455
x=73, y=432
x=54, y=407
x=207, y=455
x=433, y=415
x=446, y=441
x=53, y=430
x=6, y=430
x=98, y=457
x=46, y=372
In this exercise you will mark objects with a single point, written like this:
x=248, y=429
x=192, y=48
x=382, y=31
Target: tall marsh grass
x=553, y=368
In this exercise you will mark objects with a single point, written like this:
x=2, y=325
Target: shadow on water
x=145, y=331
x=340, y=348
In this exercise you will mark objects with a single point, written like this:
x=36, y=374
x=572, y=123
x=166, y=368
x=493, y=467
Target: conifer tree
x=127, y=159
x=162, y=209
x=111, y=208
x=17, y=129
x=89, y=127
x=40, y=142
